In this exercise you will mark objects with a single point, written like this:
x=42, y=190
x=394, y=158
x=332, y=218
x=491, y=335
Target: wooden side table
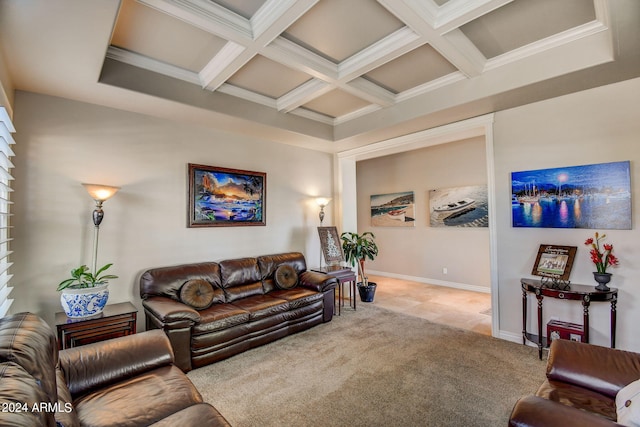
x=344, y=275
x=583, y=293
x=116, y=320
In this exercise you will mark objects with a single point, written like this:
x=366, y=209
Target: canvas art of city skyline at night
x=596, y=196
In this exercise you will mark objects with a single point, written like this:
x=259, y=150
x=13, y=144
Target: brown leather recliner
x=127, y=381
x=249, y=308
x=581, y=387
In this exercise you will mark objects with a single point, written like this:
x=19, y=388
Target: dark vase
x=602, y=279
x=367, y=293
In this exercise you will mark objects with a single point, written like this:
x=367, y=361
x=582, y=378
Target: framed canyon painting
x=222, y=197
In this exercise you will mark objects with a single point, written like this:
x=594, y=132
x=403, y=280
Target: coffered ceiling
x=333, y=74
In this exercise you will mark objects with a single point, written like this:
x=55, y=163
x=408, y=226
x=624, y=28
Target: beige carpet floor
x=373, y=367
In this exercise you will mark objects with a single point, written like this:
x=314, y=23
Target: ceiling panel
x=336, y=103
x=412, y=69
x=156, y=35
x=244, y=8
x=525, y=21
x=267, y=77
x=338, y=29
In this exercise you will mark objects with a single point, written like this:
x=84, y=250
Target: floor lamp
x=322, y=202
x=99, y=193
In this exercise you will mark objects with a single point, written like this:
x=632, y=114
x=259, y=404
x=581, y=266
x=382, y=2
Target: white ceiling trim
x=456, y=13
x=150, y=64
x=217, y=70
x=207, y=16
x=443, y=81
x=248, y=95
x=288, y=53
x=457, y=131
x=302, y=94
x=394, y=45
x=273, y=10
x=456, y=48
x=558, y=40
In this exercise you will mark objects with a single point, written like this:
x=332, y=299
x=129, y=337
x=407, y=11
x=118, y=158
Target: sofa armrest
x=99, y=364
x=582, y=365
x=317, y=281
x=168, y=311
x=533, y=411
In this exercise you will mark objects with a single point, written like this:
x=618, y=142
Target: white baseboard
x=474, y=288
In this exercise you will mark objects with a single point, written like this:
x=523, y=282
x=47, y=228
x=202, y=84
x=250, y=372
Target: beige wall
x=421, y=252
x=594, y=126
x=62, y=143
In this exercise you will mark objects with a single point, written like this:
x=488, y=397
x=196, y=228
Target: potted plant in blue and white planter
x=85, y=293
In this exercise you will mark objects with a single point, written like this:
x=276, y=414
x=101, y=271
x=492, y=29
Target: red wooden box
x=564, y=330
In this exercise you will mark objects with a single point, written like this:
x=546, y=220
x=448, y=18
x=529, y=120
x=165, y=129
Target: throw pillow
x=628, y=405
x=286, y=277
x=197, y=293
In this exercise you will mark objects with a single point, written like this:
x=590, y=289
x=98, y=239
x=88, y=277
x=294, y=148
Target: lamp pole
x=99, y=193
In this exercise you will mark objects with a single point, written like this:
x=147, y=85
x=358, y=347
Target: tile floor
x=439, y=304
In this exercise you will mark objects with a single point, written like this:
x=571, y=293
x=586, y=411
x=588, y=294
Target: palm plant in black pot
x=357, y=248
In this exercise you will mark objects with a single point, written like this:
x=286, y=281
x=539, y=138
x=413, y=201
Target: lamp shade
x=100, y=193
x=322, y=201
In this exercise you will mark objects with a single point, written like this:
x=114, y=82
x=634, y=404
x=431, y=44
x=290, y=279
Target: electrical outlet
x=444, y=270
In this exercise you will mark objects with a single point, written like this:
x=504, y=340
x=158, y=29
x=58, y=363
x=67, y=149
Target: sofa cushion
x=286, y=277
x=297, y=297
x=219, y=317
x=628, y=404
x=140, y=400
x=240, y=278
x=200, y=294
x=260, y=306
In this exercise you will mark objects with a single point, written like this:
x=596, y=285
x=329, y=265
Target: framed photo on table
x=554, y=262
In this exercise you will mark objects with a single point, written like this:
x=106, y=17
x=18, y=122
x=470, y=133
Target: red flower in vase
x=601, y=258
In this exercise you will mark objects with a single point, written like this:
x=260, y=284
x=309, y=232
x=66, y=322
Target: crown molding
x=154, y=65
x=207, y=16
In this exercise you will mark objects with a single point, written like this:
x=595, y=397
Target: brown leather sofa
x=128, y=381
x=250, y=304
x=581, y=387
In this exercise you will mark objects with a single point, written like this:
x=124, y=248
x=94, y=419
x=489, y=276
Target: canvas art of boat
x=455, y=207
x=397, y=214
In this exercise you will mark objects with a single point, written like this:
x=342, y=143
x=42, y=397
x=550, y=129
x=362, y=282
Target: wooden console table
x=344, y=275
x=116, y=320
x=585, y=294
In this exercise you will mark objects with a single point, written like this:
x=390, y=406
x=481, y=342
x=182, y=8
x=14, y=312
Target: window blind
x=6, y=141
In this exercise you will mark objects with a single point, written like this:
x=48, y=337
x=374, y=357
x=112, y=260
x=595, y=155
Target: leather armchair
x=127, y=381
x=581, y=387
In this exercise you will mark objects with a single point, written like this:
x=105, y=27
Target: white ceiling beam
x=303, y=94
x=223, y=65
x=458, y=50
x=275, y=16
x=371, y=92
x=394, y=45
x=207, y=16
x=456, y=13
x=292, y=55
